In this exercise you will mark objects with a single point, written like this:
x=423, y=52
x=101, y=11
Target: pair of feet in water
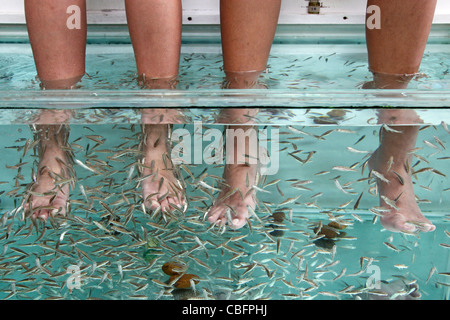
x=161, y=188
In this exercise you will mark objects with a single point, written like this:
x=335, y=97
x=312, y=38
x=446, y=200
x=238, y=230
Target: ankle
x=163, y=83
x=391, y=81
x=243, y=80
x=62, y=84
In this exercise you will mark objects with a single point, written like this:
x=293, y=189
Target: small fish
x=399, y=177
x=378, y=293
x=432, y=145
x=341, y=274
x=339, y=186
x=390, y=129
x=329, y=294
x=356, y=151
x=345, y=130
x=444, y=125
x=85, y=166
x=160, y=283
x=391, y=246
x=390, y=163
x=295, y=130
x=359, y=140
x=354, y=215
x=389, y=202
x=348, y=288
x=343, y=168
x=357, y=201
x=260, y=189
x=439, y=141
x=345, y=204
x=101, y=227
x=289, y=200
x=443, y=284
x=272, y=183
x=379, y=176
x=120, y=229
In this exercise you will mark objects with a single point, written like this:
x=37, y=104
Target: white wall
x=207, y=12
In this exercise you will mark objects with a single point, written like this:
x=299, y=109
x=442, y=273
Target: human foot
x=396, y=192
x=49, y=194
x=160, y=186
x=243, y=80
x=388, y=81
x=236, y=196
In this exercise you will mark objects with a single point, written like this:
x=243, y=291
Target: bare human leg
x=59, y=54
x=395, y=53
x=155, y=31
x=248, y=29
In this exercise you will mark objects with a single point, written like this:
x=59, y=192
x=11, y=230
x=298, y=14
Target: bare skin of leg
x=395, y=54
x=397, y=47
x=248, y=29
x=155, y=31
x=59, y=54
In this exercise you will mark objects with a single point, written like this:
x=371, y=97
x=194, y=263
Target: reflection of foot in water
x=50, y=193
x=390, y=164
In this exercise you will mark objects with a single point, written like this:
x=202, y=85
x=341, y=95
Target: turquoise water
x=113, y=264
x=265, y=261
x=308, y=68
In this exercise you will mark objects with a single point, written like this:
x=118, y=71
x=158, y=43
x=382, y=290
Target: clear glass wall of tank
x=326, y=127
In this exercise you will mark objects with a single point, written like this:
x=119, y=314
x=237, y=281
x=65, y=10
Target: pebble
x=174, y=268
x=185, y=281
